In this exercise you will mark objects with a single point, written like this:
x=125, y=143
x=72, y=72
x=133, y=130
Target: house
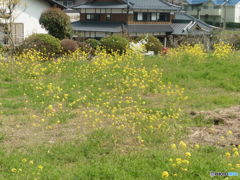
x=26, y=18
x=100, y=18
x=213, y=11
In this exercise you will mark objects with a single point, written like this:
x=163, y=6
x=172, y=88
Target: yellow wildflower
x=165, y=174
x=40, y=167
x=197, y=146
x=188, y=154
x=236, y=154
x=227, y=154
x=183, y=144
x=24, y=160
x=14, y=170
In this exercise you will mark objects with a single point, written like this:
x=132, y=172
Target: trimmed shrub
x=93, y=43
x=69, y=45
x=153, y=43
x=57, y=22
x=115, y=43
x=43, y=43
x=86, y=48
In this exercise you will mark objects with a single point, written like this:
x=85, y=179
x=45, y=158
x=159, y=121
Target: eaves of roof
x=133, y=4
x=53, y=2
x=97, y=27
x=149, y=28
x=215, y=2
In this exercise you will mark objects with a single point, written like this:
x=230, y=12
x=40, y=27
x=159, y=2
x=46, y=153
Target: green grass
x=108, y=153
x=209, y=84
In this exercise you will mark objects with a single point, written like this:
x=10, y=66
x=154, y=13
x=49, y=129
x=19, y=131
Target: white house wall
x=237, y=13
x=28, y=13
x=230, y=15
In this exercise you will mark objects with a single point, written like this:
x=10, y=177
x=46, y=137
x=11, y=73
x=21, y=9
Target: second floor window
x=92, y=17
x=142, y=16
x=164, y=16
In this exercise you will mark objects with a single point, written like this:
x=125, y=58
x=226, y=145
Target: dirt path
x=224, y=131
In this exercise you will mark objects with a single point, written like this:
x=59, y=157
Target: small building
x=213, y=11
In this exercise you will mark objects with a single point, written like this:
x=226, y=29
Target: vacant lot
x=119, y=117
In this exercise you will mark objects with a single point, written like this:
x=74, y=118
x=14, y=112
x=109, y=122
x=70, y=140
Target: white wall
x=237, y=13
x=28, y=13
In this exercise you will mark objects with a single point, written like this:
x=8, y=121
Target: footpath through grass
x=113, y=117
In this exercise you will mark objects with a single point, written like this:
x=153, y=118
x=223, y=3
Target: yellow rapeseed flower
x=236, y=154
x=165, y=174
x=183, y=144
x=228, y=154
x=188, y=154
x=14, y=170
x=40, y=167
x=197, y=146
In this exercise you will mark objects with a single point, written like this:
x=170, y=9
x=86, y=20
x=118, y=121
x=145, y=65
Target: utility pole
x=225, y=13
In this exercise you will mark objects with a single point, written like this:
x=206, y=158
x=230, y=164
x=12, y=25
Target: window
x=147, y=16
x=92, y=17
x=164, y=17
x=142, y=16
x=139, y=16
x=108, y=17
x=154, y=17
x=216, y=7
x=67, y=3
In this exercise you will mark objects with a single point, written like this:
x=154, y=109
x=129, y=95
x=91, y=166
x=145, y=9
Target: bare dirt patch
x=224, y=131
x=18, y=132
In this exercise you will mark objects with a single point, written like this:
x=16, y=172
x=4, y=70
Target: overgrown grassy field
x=115, y=117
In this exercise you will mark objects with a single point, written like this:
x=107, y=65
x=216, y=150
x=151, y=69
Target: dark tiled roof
x=153, y=4
x=134, y=4
x=137, y=28
x=179, y=28
x=188, y=24
x=97, y=26
x=112, y=5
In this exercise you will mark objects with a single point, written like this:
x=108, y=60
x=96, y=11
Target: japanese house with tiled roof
x=100, y=18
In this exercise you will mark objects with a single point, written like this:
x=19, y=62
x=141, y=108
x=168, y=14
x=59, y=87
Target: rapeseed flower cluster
x=222, y=50
x=110, y=90
x=180, y=162
x=195, y=51
x=28, y=169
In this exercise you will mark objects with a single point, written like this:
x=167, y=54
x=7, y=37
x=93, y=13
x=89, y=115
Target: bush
x=57, y=22
x=115, y=43
x=86, y=48
x=69, y=45
x=93, y=43
x=153, y=43
x=43, y=43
